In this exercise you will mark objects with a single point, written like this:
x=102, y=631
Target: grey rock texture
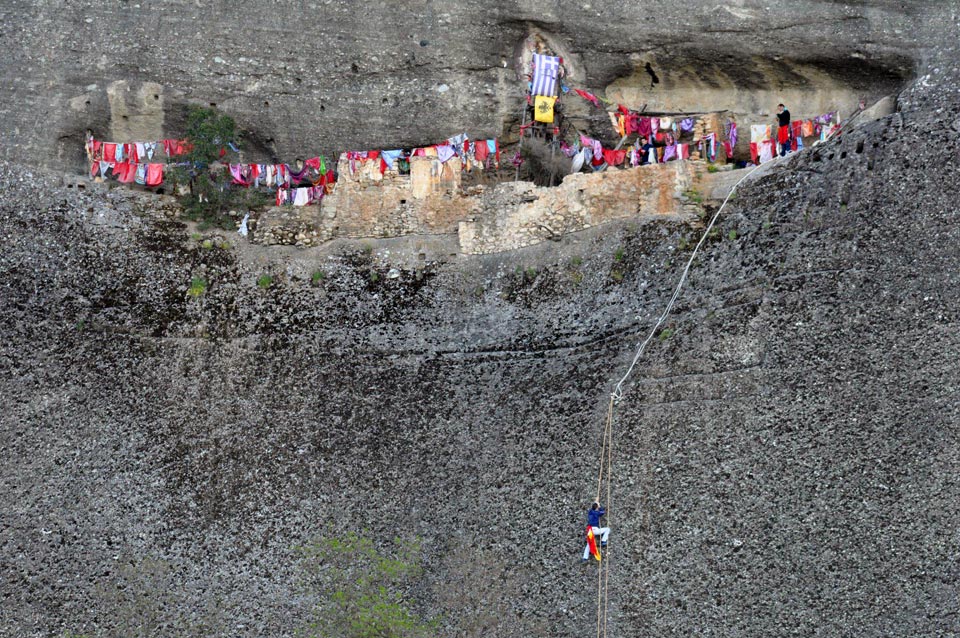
x=785, y=458
x=322, y=77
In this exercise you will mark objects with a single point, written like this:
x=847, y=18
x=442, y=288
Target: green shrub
x=265, y=281
x=732, y=235
x=362, y=591
x=665, y=334
x=618, y=254
x=318, y=276
x=198, y=286
x=616, y=275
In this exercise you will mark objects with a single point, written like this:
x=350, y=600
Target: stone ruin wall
x=486, y=218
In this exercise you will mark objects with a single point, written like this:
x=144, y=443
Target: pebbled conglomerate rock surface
x=785, y=456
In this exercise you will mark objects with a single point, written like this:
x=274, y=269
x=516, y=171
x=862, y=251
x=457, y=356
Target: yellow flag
x=543, y=108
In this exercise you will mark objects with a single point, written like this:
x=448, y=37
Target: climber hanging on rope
x=594, y=514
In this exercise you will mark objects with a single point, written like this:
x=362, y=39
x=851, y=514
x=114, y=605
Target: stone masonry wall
x=493, y=219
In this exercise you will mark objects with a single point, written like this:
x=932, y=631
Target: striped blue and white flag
x=546, y=68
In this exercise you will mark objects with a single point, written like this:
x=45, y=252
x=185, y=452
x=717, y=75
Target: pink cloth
x=644, y=128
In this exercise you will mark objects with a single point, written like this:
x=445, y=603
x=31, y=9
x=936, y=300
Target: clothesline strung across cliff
x=305, y=183
x=658, y=138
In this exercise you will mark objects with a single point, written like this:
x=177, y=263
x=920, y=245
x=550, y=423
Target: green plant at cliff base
x=318, y=276
x=362, y=591
x=264, y=281
x=198, y=285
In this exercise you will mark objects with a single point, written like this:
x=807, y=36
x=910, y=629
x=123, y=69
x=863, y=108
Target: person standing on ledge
x=594, y=514
x=783, y=129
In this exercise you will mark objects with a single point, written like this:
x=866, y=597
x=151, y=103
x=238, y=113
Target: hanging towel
x=445, y=152
x=759, y=133
x=244, y=229
x=614, y=158
x=154, y=174
x=391, y=157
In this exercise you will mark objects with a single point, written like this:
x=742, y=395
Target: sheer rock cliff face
x=784, y=458
x=324, y=76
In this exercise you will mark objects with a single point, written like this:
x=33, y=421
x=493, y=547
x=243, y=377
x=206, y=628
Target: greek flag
x=546, y=68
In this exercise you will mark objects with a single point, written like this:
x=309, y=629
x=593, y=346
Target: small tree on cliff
x=204, y=170
x=363, y=591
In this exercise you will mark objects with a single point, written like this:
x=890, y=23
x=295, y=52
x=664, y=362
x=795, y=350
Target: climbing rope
x=618, y=389
x=606, y=448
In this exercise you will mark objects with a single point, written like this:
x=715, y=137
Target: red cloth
x=154, y=174
x=481, y=151
x=797, y=128
x=589, y=97
x=728, y=149
x=175, y=147
x=97, y=149
x=754, y=152
x=125, y=172
x=94, y=168
x=614, y=158
x=783, y=134
x=109, y=152
x=314, y=163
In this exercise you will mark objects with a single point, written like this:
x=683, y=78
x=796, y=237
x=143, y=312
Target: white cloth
x=301, y=197
x=577, y=162
x=243, y=230
x=766, y=151
x=759, y=132
x=603, y=533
